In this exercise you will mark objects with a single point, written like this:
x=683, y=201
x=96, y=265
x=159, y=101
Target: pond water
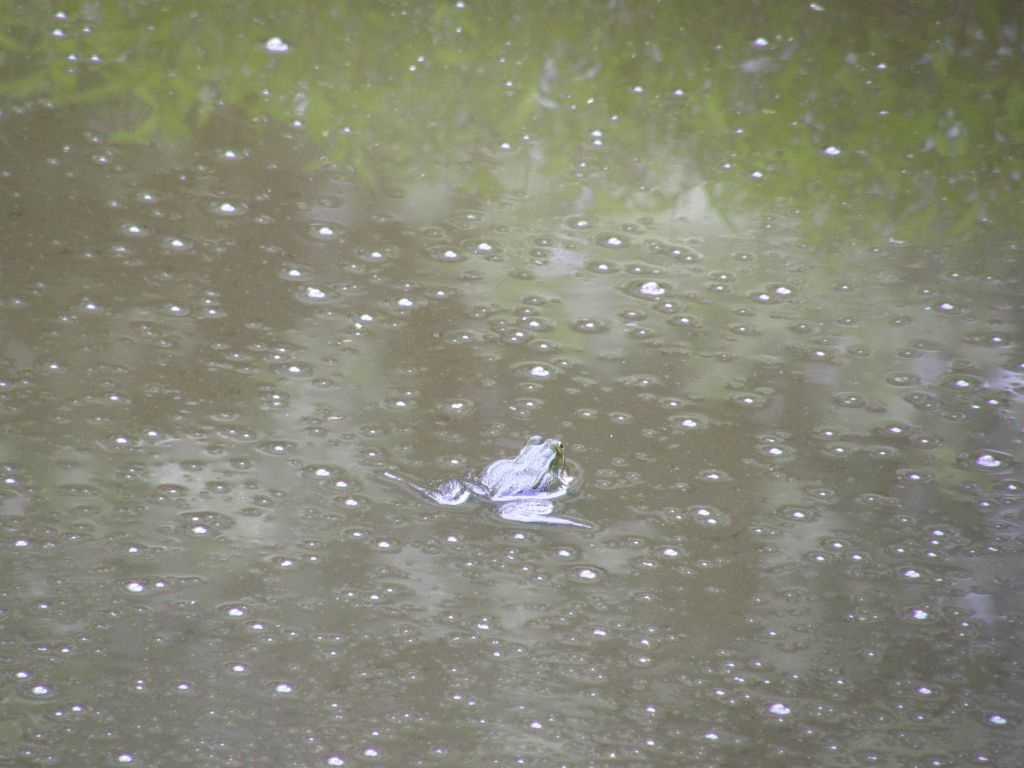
x=798, y=455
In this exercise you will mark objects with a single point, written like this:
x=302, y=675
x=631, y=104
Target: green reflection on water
x=881, y=119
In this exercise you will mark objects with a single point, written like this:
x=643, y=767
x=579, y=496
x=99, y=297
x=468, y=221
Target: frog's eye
x=535, y=440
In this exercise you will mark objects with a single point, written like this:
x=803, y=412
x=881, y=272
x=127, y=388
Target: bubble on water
x=446, y=254
x=687, y=422
x=945, y=307
x=798, y=514
x=601, y=267
x=651, y=288
x=776, y=452
x=773, y=294
x=648, y=289
x=779, y=709
x=587, y=574
x=135, y=230
x=902, y=379
x=312, y=293
x=893, y=429
x=324, y=232
x=467, y=219
x=283, y=687
x=579, y=222
x=915, y=476
x=1009, y=488
x=228, y=208
x=457, y=407
x=234, y=610
x=749, y=400
x=295, y=369
x=525, y=407
x=536, y=371
x=708, y=516
x=985, y=461
x=294, y=272
x=959, y=382
x=685, y=253
x=276, y=45
x=990, y=339
x=589, y=325
x=685, y=321
x=204, y=523
x=464, y=337
x=484, y=247
x=612, y=241
x=849, y=400
x=815, y=354
x=819, y=492
x=925, y=441
x=713, y=476
x=228, y=155
x=399, y=403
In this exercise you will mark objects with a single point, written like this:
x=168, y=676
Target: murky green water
x=796, y=416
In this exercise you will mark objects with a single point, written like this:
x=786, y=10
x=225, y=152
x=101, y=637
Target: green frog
x=523, y=487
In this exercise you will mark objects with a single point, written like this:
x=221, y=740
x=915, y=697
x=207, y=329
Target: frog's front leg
x=535, y=511
x=450, y=493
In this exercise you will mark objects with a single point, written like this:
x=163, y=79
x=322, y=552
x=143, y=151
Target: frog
x=523, y=488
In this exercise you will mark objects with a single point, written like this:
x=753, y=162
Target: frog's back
x=505, y=479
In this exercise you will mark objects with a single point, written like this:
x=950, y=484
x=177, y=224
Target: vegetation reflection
x=889, y=120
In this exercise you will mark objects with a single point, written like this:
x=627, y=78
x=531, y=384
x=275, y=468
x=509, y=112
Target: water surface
x=800, y=453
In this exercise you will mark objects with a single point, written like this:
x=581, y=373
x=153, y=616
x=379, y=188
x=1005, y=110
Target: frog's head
x=544, y=459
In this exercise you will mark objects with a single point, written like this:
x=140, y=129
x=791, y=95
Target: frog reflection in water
x=522, y=487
